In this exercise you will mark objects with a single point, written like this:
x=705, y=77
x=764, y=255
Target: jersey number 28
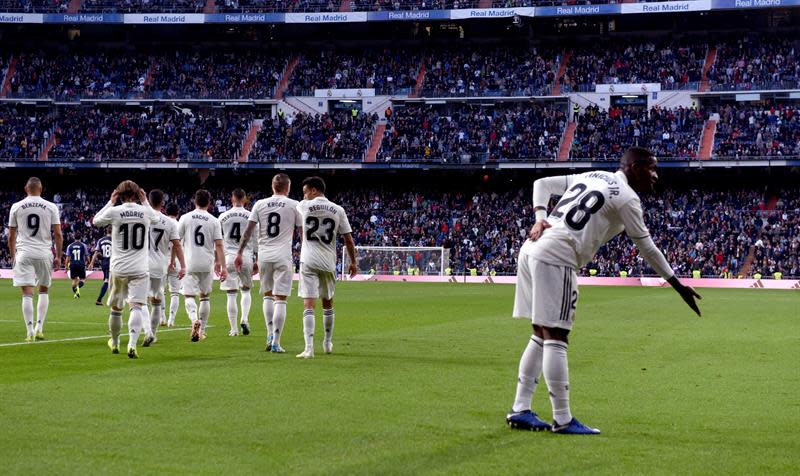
x=586, y=205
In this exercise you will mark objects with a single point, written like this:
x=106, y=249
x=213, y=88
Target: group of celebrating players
x=148, y=250
x=594, y=207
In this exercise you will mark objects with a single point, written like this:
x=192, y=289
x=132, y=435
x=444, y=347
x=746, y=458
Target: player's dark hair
x=202, y=198
x=281, y=183
x=128, y=190
x=172, y=209
x=316, y=183
x=636, y=155
x=156, y=197
x=238, y=194
x=34, y=183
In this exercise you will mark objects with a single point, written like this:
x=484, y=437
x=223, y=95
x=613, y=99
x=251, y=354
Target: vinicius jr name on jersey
x=609, y=179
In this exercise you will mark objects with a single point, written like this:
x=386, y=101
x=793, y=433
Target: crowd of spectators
x=23, y=132
x=134, y=6
x=749, y=130
x=34, y=6
x=490, y=71
x=757, y=61
x=474, y=134
x=161, y=135
x=341, y=135
x=707, y=231
x=390, y=5
x=604, y=135
x=674, y=64
x=390, y=71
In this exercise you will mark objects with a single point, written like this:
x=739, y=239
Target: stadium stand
x=669, y=133
x=757, y=61
x=473, y=134
x=756, y=131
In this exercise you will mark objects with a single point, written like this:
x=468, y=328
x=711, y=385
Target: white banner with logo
x=333, y=17
x=344, y=93
x=465, y=13
x=628, y=88
x=164, y=18
x=667, y=7
x=21, y=18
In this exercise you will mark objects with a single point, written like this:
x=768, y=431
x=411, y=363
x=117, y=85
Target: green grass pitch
x=420, y=382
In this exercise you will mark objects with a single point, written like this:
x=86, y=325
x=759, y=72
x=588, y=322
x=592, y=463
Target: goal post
x=399, y=260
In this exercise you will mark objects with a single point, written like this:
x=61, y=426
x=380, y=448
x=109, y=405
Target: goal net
x=400, y=260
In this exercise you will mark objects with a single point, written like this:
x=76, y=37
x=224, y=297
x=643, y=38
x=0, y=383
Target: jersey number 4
x=314, y=225
x=579, y=213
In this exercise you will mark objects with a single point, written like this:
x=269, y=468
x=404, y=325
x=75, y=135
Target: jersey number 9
x=33, y=224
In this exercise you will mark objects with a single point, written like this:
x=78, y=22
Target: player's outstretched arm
x=633, y=219
x=350, y=245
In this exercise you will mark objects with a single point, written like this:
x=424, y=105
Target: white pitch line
x=72, y=339
x=16, y=321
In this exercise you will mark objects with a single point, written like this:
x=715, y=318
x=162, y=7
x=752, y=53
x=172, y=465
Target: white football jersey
x=277, y=217
x=198, y=231
x=130, y=244
x=34, y=217
x=234, y=223
x=322, y=221
x=594, y=207
x=161, y=236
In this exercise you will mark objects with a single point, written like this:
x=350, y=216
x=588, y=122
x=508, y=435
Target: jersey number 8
x=587, y=206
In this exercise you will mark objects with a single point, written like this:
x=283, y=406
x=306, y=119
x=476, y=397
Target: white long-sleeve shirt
x=594, y=208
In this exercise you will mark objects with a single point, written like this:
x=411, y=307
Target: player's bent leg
x=233, y=312
x=203, y=313
x=115, y=328
x=278, y=320
x=308, y=328
x=327, y=325
x=136, y=323
x=268, y=308
x=103, y=290
x=27, y=312
x=41, y=311
x=245, y=301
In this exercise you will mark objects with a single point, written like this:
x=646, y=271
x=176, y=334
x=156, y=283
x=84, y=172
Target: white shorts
x=194, y=284
x=315, y=283
x=237, y=280
x=173, y=282
x=276, y=277
x=32, y=271
x=128, y=289
x=545, y=293
x=156, y=288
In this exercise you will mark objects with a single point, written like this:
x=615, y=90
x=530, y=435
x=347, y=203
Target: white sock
x=530, y=368
x=327, y=323
x=41, y=311
x=155, y=317
x=205, y=311
x=233, y=310
x=246, y=301
x=135, y=322
x=308, y=328
x=556, y=374
x=115, y=325
x=27, y=313
x=146, y=320
x=191, y=307
x=174, y=303
x=269, y=310
x=278, y=320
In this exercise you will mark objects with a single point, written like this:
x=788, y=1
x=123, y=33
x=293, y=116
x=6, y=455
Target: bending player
x=594, y=207
x=201, y=237
x=77, y=253
x=130, y=224
x=322, y=221
x=164, y=248
x=234, y=222
x=102, y=251
x=30, y=244
x=276, y=218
